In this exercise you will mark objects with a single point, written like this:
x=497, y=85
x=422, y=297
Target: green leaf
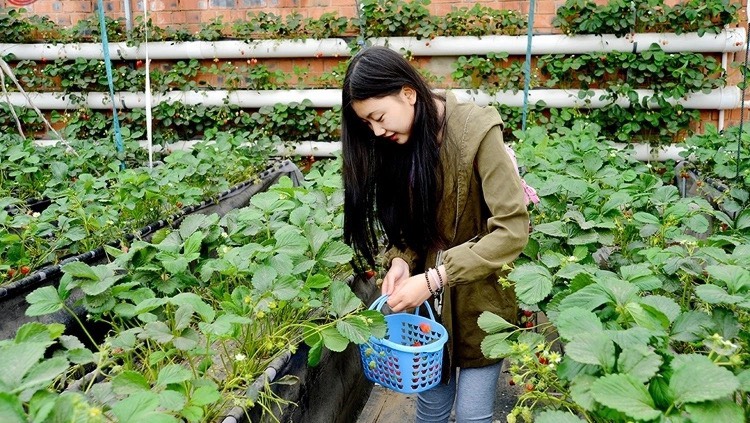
x=33, y=332
x=316, y=236
x=205, y=395
x=631, y=336
x=640, y=362
x=557, y=417
x=588, y=298
x=129, y=382
x=172, y=400
x=182, y=316
x=17, y=359
x=715, y=382
x=641, y=276
x=625, y=394
x=286, y=288
x=736, y=278
x=665, y=305
x=744, y=378
x=354, y=329
x=555, y=229
x=299, y=215
x=343, y=300
x=714, y=294
x=11, y=409
x=43, y=301
x=193, y=243
x=691, y=326
x=79, y=269
x=140, y=408
x=647, y=317
x=335, y=253
x=492, y=323
x=205, y=311
x=42, y=374
x=496, y=345
x=333, y=340
x=724, y=411
x=173, y=373
x=158, y=331
x=573, y=321
x=318, y=281
x=580, y=391
x=263, y=278
x=316, y=351
x=620, y=291
x=646, y=218
x=192, y=222
x=289, y=241
x=533, y=283
x=592, y=348
x=697, y=223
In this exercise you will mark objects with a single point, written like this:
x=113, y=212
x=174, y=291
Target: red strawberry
x=11, y=272
x=139, y=63
x=528, y=313
x=528, y=325
x=369, y=273
x=416, y=344
x=25, y=270
x=529, y=387
x=425, y=327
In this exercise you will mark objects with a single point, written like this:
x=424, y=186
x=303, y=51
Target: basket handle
x=378, y=304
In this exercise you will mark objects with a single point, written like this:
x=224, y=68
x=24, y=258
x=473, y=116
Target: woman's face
x=389, y=117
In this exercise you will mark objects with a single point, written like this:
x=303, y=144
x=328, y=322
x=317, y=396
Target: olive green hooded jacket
x=483, y=218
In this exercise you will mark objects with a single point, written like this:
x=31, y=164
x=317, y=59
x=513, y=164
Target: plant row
x=671, y=76
x=97, y=195
x=646, y=291
x=381, y=18
x=194, y=316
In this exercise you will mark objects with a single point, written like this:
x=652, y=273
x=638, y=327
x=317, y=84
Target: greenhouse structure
x=174, y=248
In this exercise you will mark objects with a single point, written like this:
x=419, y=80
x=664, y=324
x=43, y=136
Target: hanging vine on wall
x=623, y=17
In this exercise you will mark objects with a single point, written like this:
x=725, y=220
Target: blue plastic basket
x=395, y=362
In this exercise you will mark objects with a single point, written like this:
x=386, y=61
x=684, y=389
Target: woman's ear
x=409, y=94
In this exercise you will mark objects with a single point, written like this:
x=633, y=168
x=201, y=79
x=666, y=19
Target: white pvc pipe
x=732, y=39
x=720, y=124
x=717, y=99
x=729, y=40
x=171, y=50
x=648, y=153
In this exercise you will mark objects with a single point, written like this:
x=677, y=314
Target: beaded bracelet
x=429, y=287
x=440, y=281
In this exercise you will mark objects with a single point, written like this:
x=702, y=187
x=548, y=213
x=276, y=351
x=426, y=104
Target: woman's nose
x=377, y=130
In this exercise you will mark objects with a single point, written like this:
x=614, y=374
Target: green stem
x=83, y=328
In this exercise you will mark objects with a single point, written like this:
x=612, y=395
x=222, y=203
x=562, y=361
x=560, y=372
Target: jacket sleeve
x=508, y=225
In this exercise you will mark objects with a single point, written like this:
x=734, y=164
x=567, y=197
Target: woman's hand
x=398, y=273
x=412, y=292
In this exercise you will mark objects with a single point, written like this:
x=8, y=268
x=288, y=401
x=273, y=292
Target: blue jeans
x=474, y=398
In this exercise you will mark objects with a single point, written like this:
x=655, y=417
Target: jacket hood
x=469, y=124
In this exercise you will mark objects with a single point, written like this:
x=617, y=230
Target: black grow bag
x=13, y=296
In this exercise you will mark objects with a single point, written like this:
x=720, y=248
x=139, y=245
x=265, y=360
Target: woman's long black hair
x=385, y=183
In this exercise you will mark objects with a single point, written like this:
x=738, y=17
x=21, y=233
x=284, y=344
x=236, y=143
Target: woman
x=435, y=176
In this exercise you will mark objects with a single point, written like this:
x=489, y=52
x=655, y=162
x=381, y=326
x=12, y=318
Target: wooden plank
x=386, y=406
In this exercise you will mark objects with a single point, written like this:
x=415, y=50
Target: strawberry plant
x=639, y=284
x=210, y=304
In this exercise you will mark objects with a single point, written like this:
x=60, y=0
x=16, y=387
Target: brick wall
x=193, y=12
